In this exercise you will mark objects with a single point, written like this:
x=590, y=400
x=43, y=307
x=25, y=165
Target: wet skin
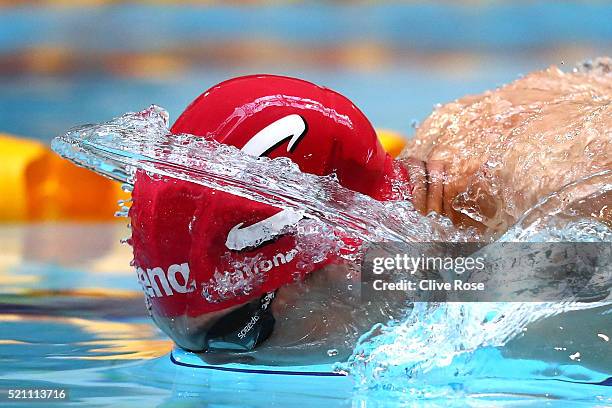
x=482, y=161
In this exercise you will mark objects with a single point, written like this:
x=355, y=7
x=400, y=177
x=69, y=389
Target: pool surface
x=65, y=66
x=71, y=311
x=72, y=316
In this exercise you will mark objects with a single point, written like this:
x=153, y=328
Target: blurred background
x=69, y=301
x=66, y=62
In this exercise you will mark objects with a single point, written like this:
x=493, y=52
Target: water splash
x=443, y=343
x=142, y=140
x=400, y=354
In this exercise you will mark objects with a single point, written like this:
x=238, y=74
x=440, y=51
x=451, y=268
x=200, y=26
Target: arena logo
x=257, y=265
x=242, y=276
x=254, y=267
x=156, y=282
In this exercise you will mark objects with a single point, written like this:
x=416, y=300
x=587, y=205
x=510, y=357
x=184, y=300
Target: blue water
x=71, y=312
x=72, y=316
x=537, y=24
x=76, y=319
x=64, y=66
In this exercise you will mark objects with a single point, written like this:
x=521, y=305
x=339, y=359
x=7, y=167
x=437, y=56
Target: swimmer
x=223, y=277
x=226, y=274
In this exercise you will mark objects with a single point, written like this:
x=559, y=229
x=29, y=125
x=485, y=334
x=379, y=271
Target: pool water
x=526, y=352
x=72, y=316
x=71, y=311
x=394, y=60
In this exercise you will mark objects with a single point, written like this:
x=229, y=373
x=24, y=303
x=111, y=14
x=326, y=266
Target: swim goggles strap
x=244, y=328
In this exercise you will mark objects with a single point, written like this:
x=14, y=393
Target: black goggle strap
x=244, y=328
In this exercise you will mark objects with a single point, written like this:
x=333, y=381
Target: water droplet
x=128, y=188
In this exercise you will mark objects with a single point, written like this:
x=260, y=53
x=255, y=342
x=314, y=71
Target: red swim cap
x=199, y=250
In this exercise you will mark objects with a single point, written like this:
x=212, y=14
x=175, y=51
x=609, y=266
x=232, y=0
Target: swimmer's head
x=205, y=256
